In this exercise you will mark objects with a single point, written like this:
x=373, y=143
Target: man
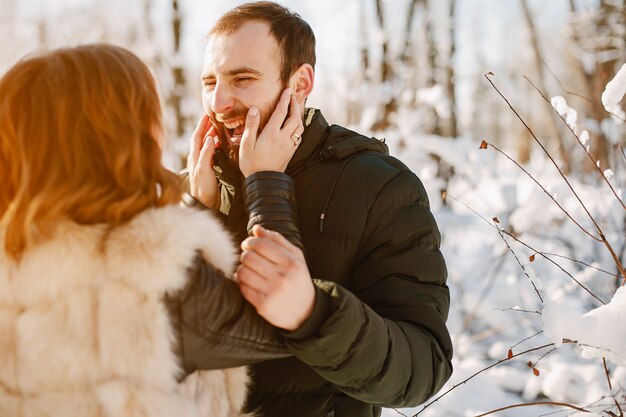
x=370, y=330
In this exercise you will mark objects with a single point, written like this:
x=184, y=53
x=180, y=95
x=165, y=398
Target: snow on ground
x=494, y=303
x=554, y=283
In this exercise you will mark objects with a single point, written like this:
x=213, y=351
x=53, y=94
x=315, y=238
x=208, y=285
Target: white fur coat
x=84, y=332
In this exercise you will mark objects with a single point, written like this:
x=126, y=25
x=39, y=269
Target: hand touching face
x=241, y=70
x=202, y=180
x=274, y=146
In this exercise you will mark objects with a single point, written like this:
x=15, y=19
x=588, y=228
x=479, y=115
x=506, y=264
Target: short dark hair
x=293, y=35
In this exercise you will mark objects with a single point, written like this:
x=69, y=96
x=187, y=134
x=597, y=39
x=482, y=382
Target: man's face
x=241, y=70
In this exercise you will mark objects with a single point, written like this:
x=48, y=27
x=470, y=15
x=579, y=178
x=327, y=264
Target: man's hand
x=273, y=148
x=202, y=180
x=274, y=278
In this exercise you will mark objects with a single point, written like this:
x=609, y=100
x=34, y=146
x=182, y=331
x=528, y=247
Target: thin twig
x=480, y=372
x=603, y=238
x=613, y=274
x=528, y=338
x=532, y=249
x=544, y=355
x=484, y=293
x=608, y=380
x=518, y=309
x=565, y=90
x=608, y=376
x=536, y=403
x=606, y=180
x=622, y=252
x=518, y=261
x=545, y=151
x=596, y=347
x=618, y=117
x=595, y=404
x=599, y=230
x=543, y=189
x=558, y=266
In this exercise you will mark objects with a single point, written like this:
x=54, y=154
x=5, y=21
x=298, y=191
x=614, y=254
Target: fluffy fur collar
x=84, y=332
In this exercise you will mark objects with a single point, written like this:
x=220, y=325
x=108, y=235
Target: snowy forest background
x=498, y=106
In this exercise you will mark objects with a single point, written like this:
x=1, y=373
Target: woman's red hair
x=79, y=131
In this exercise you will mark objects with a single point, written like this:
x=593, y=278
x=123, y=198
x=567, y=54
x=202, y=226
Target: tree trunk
x=178, y=73
x=450, y=87
x=409, y=54
x=552, y=126
x=355, y=106
x=405, y=56
x=432, y=63
x=595, y=83
x=386, y=72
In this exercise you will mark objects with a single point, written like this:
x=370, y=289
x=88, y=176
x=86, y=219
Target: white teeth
x=233, y=125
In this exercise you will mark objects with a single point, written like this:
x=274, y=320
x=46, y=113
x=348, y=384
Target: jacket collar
x=312, y=140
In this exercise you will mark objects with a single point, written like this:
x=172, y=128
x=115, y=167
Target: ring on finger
x=295, y=138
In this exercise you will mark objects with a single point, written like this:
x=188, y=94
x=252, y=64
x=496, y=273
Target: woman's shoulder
x=152, y=252
x=168, y=239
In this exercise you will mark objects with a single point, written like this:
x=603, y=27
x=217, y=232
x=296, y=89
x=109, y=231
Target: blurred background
x=381, y=62
x=413, y=72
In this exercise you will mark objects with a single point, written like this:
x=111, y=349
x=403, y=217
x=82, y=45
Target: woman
x=111, y=293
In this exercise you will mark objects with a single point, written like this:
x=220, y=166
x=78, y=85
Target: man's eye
x=241, y=80
x=208, y=84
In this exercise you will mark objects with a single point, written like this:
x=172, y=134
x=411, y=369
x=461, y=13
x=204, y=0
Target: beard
x=226, y=147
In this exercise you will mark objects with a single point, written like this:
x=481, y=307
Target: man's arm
x=216, y=327
x=270, y=201
x=386, y=342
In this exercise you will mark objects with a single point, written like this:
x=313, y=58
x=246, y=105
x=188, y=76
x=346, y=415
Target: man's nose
x=222, y=100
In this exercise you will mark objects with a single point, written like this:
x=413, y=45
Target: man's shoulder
x=388, y=176
x=352, y=157
x=365, y=163
x=368, y=156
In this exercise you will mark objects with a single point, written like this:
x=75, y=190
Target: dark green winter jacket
x=377, y=337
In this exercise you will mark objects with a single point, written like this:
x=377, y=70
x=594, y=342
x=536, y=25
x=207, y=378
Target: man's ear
x=302, y=82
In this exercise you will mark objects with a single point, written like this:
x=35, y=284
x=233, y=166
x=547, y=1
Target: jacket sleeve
x=385, y=342
x=217, y=327
x=270, y=201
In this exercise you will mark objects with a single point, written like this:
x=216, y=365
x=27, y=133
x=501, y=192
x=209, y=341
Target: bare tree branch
x=533, y=404
x=543, y=189
x=474, y=375
x=603, y=238
x=534, y=40
x=598, y=169
x=532, y=249
x=518, y=261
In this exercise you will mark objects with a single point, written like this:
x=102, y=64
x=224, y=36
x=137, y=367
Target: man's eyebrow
x=243, y=70
x=236, y=71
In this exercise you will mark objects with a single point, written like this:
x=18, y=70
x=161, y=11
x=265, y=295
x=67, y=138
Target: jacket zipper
x=331, y=410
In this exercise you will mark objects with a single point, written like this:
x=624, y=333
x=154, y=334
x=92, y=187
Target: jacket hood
x=342, y=143
x=320, y=140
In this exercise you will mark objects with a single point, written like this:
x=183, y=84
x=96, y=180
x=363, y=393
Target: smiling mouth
x=234, y=129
